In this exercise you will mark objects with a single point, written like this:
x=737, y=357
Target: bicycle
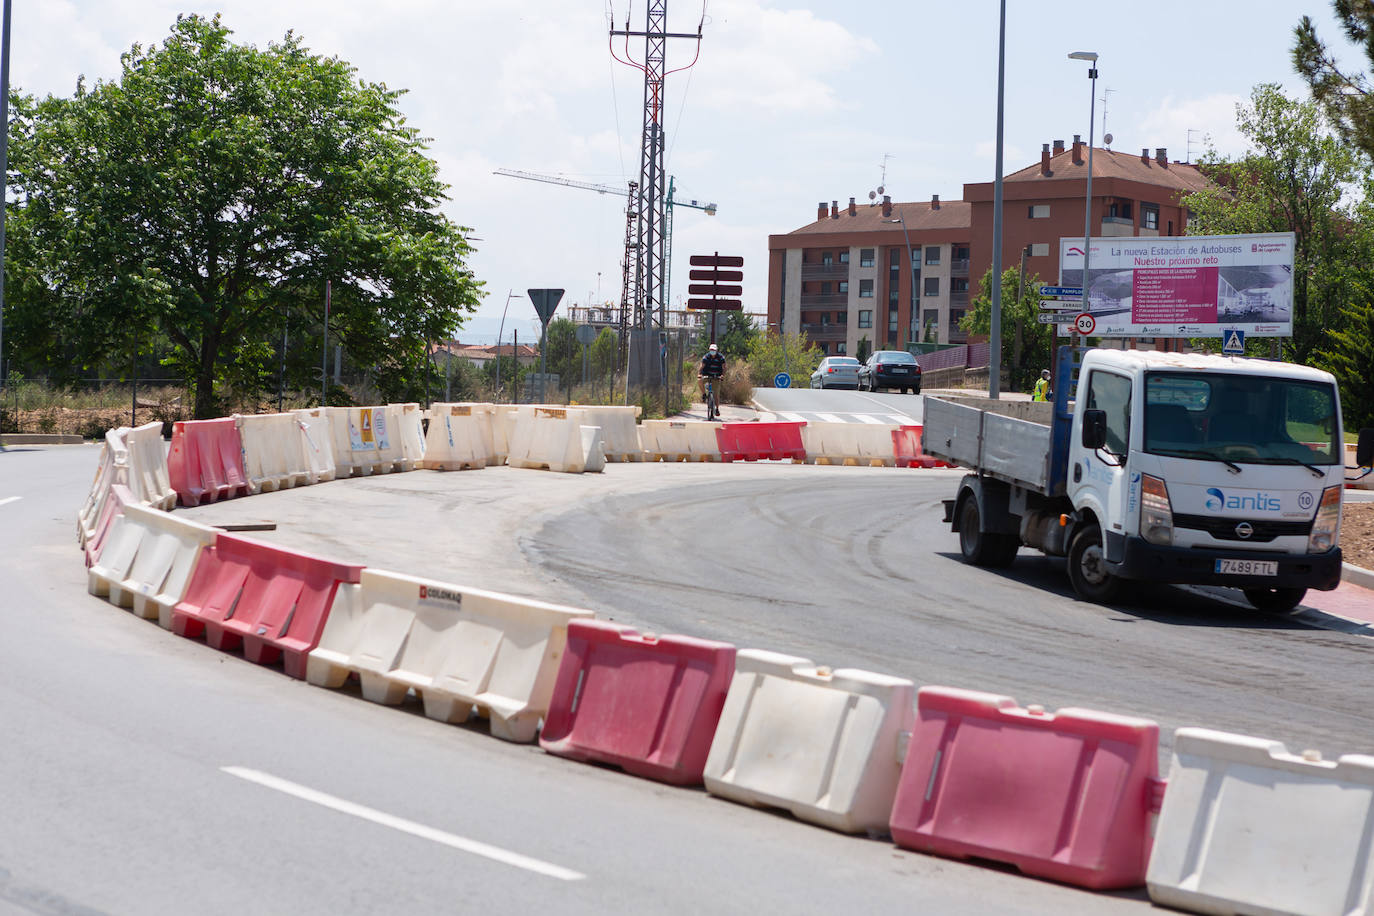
x=712, y=408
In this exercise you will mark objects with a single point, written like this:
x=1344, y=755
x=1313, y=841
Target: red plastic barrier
x=272, y=602
x=120, y=496
x=205, y=461
x=649, y=705
x=906, y=449
x=760, y=441
x=1067, y=795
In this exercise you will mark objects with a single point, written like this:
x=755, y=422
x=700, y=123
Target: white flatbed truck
x=1166, y=467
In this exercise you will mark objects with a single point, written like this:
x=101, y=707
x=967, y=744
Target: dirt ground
x=1357, y=534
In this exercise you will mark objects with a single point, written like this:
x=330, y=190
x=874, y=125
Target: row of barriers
x=1075, y=796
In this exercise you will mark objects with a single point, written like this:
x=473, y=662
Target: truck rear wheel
x=1088, y=567
x=1279, y=600
x=981, y=548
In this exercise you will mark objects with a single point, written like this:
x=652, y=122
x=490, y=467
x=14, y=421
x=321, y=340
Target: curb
x=39, y=439
x=1357, y=575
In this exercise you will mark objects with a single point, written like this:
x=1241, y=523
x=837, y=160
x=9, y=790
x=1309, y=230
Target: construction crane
x=631, y=299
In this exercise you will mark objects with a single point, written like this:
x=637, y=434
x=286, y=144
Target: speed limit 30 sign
x=1084, y=323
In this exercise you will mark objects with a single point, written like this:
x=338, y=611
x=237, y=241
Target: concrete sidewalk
x=1353, y=599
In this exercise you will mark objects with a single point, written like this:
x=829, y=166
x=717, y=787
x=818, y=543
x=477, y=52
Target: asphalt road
x=113, y=778
x=832, y=406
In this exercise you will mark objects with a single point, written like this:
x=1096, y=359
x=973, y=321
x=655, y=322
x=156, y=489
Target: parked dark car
x=891, y=369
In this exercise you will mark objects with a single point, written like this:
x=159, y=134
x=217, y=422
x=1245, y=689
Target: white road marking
x=829, y=418
x=791, y=417
x=869, y=418
x=463, y=844
x=10, y=499
x=901, y=419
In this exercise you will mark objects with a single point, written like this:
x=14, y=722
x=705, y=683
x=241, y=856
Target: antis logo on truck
x=1257, y=502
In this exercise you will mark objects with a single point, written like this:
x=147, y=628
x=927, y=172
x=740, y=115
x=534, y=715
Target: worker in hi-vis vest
x=1042, y=387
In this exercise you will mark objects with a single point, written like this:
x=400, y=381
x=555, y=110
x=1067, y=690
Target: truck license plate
x=1247, y=567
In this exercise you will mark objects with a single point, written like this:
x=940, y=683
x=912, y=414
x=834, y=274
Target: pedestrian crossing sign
x=1233, y=342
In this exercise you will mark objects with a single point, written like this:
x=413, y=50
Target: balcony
x=824, y=300
x=825, y=332
x=825, y=272
x=958, y=299
x=958, y=267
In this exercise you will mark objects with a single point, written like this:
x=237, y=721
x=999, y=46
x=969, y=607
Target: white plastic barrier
x=148, y=477
x=619, y=432
x=848, y=443
x=363, y=440
x=147, y=561
x=555, y=438
x=459, y=648
x=408, y=429
x=113, y=469
x=825, y=745
x=1248, y=827
x=273, y=452
x=317, y=443
x=679, y=440
x=460, y=436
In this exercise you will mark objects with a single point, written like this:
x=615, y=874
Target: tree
x=605, y=352
x=211, y=188
x=734, y=340
x=1293, y=181
x=565, y=353
x=863, y=350
x=1027, y=344
x=770, y=354
x=1345, y=97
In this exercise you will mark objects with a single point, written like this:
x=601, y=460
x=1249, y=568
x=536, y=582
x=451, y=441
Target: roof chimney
x=1044, y=159
x=834, y=209
x=820, y=210
x=935, y=201
x=887, y=205
x=1145, y=155
x=1162, y=156
x=1059, y=146
x=853, y=210
x=1077, y=149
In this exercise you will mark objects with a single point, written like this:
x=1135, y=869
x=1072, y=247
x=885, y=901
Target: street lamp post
x=1091, y=58
x=995, y=325
x=499, y=333
x=911, y=264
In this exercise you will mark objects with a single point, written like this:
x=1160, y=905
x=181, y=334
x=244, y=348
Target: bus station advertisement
x=1184, y=286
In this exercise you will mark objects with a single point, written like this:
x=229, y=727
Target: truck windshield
x=1244, y=419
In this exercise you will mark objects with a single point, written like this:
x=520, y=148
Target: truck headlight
x=1156, y=515
x=1326, y=527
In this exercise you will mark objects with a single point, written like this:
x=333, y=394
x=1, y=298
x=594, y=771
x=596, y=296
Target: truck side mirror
x=1094, y=429
x=1364, y=448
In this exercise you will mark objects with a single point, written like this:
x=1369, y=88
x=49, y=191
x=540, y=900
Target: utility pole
x=649, y=306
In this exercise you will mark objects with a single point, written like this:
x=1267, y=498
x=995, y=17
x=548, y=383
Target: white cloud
x=1212, y=119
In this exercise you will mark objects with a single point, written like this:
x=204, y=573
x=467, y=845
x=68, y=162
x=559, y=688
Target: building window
x=930, y=321
x=1149, y=216
x=1038, y=211
x=842, y=318
x=827, y=260
x=932, y=254
x=839, y=348
x=844, y=257
x=958, y=284
x=865, y=289
x=1040, y=249
x=932, y=287
x=844, y=286
x=1121, y=209
x=865, y=257
x=865, y=318
x=892, y=325
x=825, y=319
x=825, y=288
x=955, y=316
x=892, y=257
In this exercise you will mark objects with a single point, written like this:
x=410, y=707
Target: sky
x=789, y=102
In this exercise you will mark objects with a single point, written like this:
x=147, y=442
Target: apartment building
x=840, y=278
x=846, y=276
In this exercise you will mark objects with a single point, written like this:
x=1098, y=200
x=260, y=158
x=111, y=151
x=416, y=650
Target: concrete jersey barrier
x=1248, y=827
x=147, y=561
x=460, y=649
x=822, y=744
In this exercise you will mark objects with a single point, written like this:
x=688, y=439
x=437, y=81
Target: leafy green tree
x=770, y=354
x=565, y=353
x=605, y=352
x=1344, y=96
x=1026, y=343
x=209, y=189
x=864, y=349
x=734, y=340
x=1293, y=181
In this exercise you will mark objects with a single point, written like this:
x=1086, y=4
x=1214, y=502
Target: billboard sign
x=1185, y=286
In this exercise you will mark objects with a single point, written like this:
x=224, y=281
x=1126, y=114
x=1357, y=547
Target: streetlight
x=995, y=324
x=911, y=262
x=1091, y=58
x=501, y=331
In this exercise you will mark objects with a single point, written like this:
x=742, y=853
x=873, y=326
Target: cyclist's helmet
x=1044, y=373
x=712, y=348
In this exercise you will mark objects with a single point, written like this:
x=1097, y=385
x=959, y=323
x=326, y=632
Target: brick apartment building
x=844, y=276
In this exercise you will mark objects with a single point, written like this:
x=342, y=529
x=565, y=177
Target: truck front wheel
x=1279, y=600
x=1088, y=567
x=981, y=548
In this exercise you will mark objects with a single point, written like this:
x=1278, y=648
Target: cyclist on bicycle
x=712, y=366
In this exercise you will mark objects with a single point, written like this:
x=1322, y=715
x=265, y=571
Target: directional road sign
x=1055, y=317
x=1084, y=324
x=1060, y=305
x=1233, y=342
x=727, y=305
x=717, y=276
x=545, y=301
x=1062, y=292
x=715, y=289
x=716, y=260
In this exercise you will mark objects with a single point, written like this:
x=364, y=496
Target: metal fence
x=963, y=356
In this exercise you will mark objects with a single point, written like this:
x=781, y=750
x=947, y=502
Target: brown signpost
x=720, y=285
